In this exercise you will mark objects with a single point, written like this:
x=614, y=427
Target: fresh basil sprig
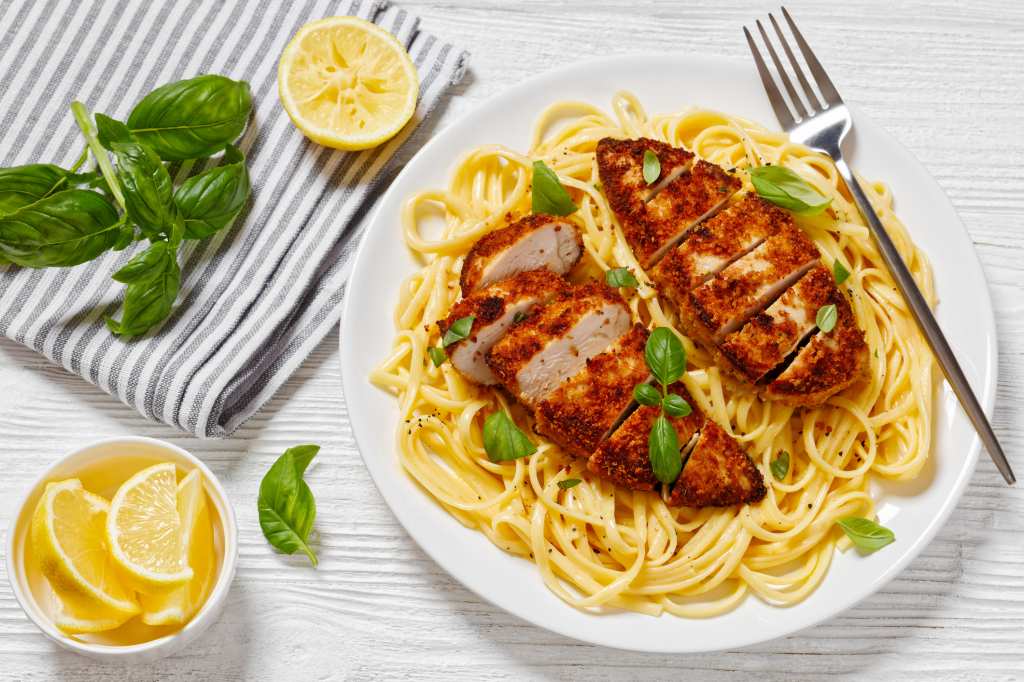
x=785, y=188
x=826, y=317
x=666, y=358
x=652, y=167
x=286, y=505
x=56, y=217
x=549, y=196
x=780, y=466
x=867, y=535
x=503, y=440
x=621, y=278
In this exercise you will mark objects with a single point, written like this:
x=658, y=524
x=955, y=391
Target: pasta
x=598, y=546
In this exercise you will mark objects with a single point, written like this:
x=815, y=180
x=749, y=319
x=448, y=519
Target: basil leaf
x=147, y=265
x=865, y=533
x=503, y=440
x=149, y=299
x=549, y=196
x=286, y=505
x=675, y=406
x=519, y=317
x=620, y=277
x=645, y=394
x=665, y=356
x=663, y=449
x=208, y=202
x=569, y=483
x=60, y=230
x=826, y=318
x=840, y=272
x=193, y=118
x=784, y=188
x=147, y=188
x=23, y=186
x=459, y=330
x=780, y=466
x=652, y=167
x=109, y=131
x=437, y=355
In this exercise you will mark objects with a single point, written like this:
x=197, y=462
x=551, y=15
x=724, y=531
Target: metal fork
x=822, y=127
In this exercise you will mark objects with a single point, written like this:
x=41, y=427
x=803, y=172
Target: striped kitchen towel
x=256, y=298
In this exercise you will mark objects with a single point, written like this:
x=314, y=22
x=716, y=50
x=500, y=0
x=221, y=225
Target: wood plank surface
x=944, y=76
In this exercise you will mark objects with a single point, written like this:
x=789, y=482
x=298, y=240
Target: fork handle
x=927, y=323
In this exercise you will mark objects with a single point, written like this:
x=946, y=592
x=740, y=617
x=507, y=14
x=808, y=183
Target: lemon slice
x=347, y=83
x=69, y=542
x=144, y=531
x=180, y=604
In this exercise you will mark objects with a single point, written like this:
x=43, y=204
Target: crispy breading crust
x=769, y=337
x=490, y=303
x=734, y=290
x=584, y=408
x=652, y=226
x=529, y=337
x=829, y=363
x=497, y=241
x=718, y=473
x=624, y=457
x=717, y=242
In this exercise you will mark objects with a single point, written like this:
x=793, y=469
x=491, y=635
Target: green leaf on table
x=652, y=167
x=208, y=202
x=150, y=296
x=549, y=196
x=865, y=533
x=193, y=118
x=780, y=466
x=503, y=440
x=675, y=406
x=620, y=278
x=109, y=131
x=147, y=265
x=663, y=450
x=785, y=188
x=286, y=505
x=23, y=186
x=148, y=191
x=665, y=355
x=459, y=330
x=60, y=230
x=826, y=317
x=648, y=395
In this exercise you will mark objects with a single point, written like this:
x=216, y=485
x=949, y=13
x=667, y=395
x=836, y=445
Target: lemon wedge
x=144, y=531
x=69, y=542
x=347, y=83
x=179, y=605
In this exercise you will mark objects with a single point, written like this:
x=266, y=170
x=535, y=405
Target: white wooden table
x=945, y=78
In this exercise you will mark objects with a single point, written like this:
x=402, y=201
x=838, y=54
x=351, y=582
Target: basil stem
x=102, y=160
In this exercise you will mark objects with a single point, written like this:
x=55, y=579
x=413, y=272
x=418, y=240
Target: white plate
x=915, y=511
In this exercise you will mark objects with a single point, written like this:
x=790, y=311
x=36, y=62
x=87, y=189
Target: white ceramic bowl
x=70, y=467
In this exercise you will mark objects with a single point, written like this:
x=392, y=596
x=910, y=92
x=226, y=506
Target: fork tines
x=814, y=101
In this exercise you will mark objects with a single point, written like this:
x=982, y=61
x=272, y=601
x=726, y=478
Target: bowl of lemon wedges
x=123, y=550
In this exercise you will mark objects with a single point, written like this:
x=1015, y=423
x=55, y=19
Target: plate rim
x=988, y=372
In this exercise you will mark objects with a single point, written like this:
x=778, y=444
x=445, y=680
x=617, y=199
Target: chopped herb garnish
x=620, y=278
x=840, y=272
x=503, y=440
x=785, y=188
x=867, y=535
x=569, y=483
x=549, y=196
x=826, y=318
x=652, y=167
x=780, y=466
x=458, y=331
x=519, y=317
x=437, y=355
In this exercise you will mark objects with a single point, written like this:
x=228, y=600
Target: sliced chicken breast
x=583, y=409
x=711, y=246
x=830, y=362
x=624, y=458
x=495, y=309
x=718, y=473
x=554, y=344
x=531, y=243
x=769, y=337
x=722, y=304
x=655, y=217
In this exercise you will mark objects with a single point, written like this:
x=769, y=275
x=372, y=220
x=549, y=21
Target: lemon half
x=347, y=83
x=144, y=531
x=69, y=540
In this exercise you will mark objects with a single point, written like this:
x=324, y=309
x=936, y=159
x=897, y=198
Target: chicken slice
x=624, y=458
x=829, y=363
x=714, y=244
x=718, y=473
x=722, y=304
x=582, y=410
x=655, y=217
x=769, y=337
x=531, y=243
x=547, y=348
x=495, y=309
